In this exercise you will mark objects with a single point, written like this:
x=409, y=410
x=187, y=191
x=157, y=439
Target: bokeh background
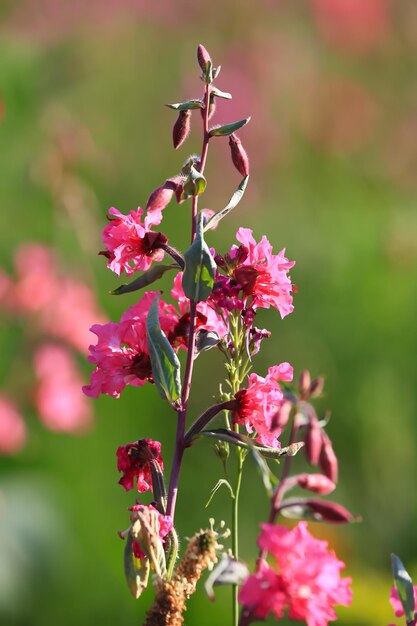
x=331, y=87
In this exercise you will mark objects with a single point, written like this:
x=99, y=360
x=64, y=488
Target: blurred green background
x=331, y=87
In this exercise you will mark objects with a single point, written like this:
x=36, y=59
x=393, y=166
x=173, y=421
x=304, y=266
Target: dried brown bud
x=181, y=128
x=203, y=58
x=239, y=155
x=316, y=482
x=313, y=441
x=328, y=460
x=316, y=387
x=304, y=382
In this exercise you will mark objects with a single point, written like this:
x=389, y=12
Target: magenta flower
x=261, y=274
x=12, y=427
x=121, y=353
x=165, y=526
x=258, y=404
x=396, y=602
x=304, y=580
x=134, y=460
x=131, y=245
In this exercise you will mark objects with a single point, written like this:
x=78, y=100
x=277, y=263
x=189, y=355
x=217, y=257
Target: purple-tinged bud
x=316, y=387
x=181, y=128
x=304, y=383
x=328, y=460
x=330, y=511
x=316, y=482
x=159, y=199
x=203, y=58
x=212, y=108
x=313, y=441
x=239, y=155
x=282, y=416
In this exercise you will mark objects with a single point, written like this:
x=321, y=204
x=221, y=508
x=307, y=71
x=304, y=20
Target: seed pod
x=313, y=441
x=328, y=460
x=181, y=128
x=203, y=58
x=239, y=155
x=316, y=482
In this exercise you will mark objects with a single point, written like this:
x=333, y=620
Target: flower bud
x=282, y=416
x=316, y=482
x=330, y=511
x=181, y=128
x=316, y=387
x=203, y=58
x=328, y=460
x=313, y=441
x=160, y=197
x=304, y=382
x=239, y=156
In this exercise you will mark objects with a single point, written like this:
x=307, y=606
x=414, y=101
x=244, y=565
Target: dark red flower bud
x=304, y=382
x=316, y=387
x=203, y=58
x=313, y=441
x=330, y=511
x=316, y=482
x=181, y=128
x=246, y=276
x=328, y=460
x=239, y=155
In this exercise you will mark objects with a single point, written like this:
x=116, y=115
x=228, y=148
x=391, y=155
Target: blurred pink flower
x=59, y=399
x=134, y=459
x=12, y=428
x=131, y=245
x=304, y=580
x=259, y=403
x=396, y=602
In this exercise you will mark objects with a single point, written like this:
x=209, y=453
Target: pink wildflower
x=131, y=244
x=261, y=274
x=396, y=602
x=259, y=403
x=165, y=526
x=12, y=428
x=134, y=460
x=304, y=580
x=121, y=354
x=59, y=399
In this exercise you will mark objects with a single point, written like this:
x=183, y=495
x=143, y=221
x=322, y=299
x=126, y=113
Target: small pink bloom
x=304, y=580
x=59, y=399
x=134, y=459
x=263, y=276
x=259, y=403
x=131, y=245
x=165, y=526
x=121, y=354
x=12, y=428
x=396, y=602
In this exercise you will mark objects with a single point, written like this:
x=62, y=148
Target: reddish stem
x=182, y=410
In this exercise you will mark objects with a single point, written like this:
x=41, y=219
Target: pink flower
x=134, y=460
x=131, y=245
x=121, y=353
x=59, y=399
x=396, y=602
x=165, y=526
x=12, y=428
x=260, y=402
x=262, y=275
x=304, y=580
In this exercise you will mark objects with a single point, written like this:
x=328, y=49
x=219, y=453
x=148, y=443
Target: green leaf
x=136, y=570
x=147, y=278
x=166, y=368
x=404, y=586
x=187, y=106
x=235, y=199
x=267, y=476
x=209, y=73
x=200, y=268
x=221, y=94
x=217, y=486
x=228, y=129
x=194, y=185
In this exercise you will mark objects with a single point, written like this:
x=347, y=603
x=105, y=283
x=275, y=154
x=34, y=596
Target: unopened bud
x=160, y=197
x=181, y=128
x=330, y=512
x=304, y=382
x=282, y=416
x=313, y=441
x=316, y=387
x=239, y=155
x=328, y=460
x=316, y=482
x=203, y=58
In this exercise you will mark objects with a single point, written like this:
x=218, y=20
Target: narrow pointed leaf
x=404, y=586
x=242, y=441
x=267, y=476
x=234, y=201
x=221, y=94
x=228, y=129
x=209, y=73
x=147, y=278
x=136, y=570
x=217, y=486
x=200, y=268
x=166, y=368
x=187, y=106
